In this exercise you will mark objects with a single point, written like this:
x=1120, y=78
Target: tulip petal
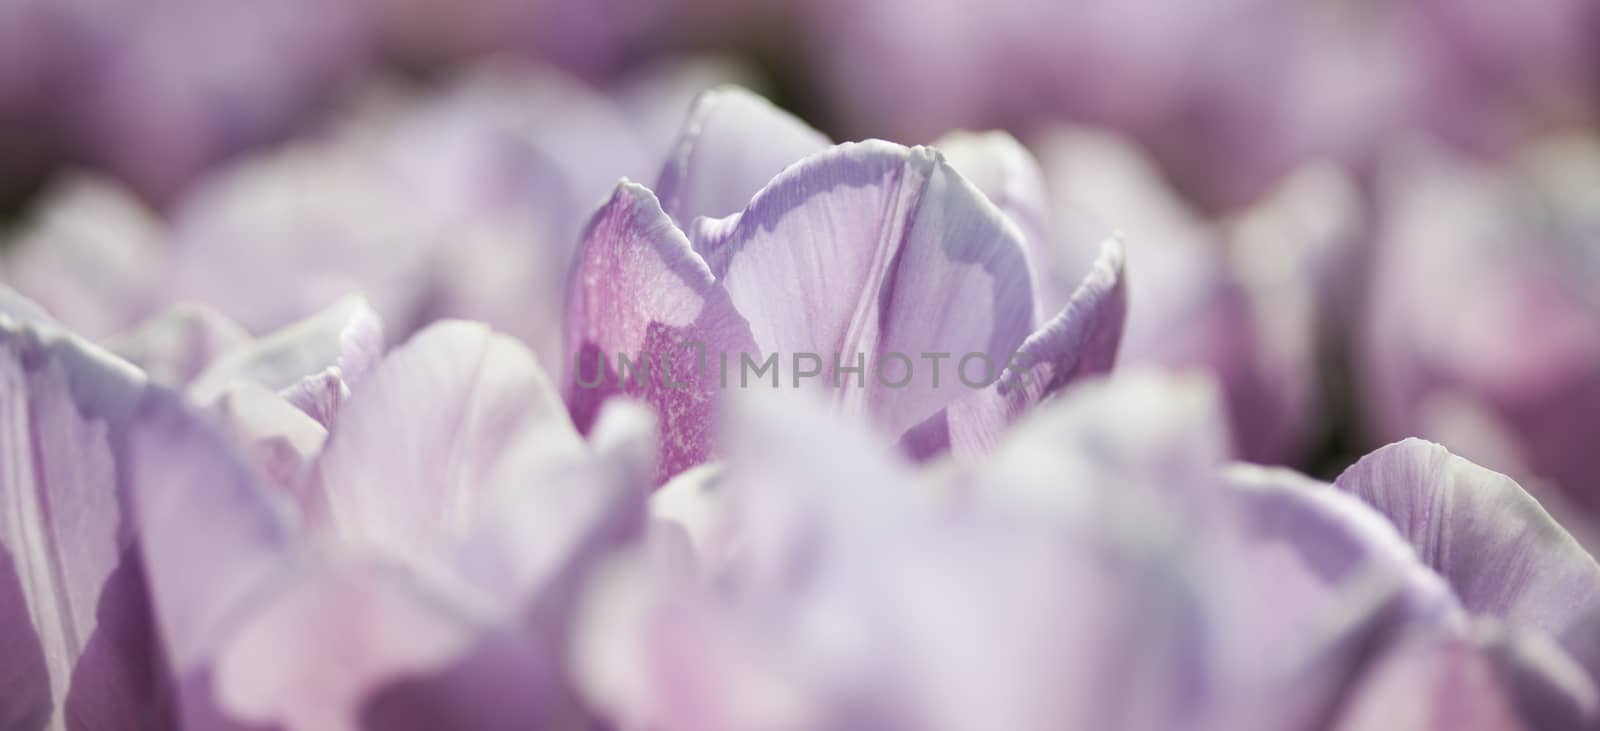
x=64, y=410
x=1009, y=176
x=1501, y=552
x=732, y=143
x=430, y=434
x=176, y=346
x=588, y=505
x=880, y=250
x=321, y=647
x=1339, y=538
x=1081, y=340
x=282, y=440
x=639, y=291
x=346, y=337
x=210, y=534
x=262, y=632
x=24, y=670
x=14, y=304
x=1487, y=681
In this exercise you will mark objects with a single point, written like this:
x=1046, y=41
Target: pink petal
x=638, y=290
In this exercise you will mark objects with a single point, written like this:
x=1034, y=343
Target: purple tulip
x=1104, y=568
x=1482, y=328
x=854, y=255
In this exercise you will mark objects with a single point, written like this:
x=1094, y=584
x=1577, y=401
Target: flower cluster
x=357, y=436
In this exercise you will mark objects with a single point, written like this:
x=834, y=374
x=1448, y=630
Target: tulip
x=854, y=254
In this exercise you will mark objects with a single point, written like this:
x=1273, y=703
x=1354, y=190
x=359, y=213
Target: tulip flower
x=856, y=259
x=1481, y=328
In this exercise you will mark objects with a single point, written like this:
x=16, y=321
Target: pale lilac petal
x=639, y=291
x=1339, y=539
x=176, y=346
x=429, y=436
x=542, y=538
x=335, y=349
x=732, y=143
x=1009, y=176
x=64, y=411
x=1081, y=340
x=691, y=503
x=1151, y=432
x=327, y=646
x=279, y=437
x=1501, y=552
x=871, y=249
x=586, y=504
x=210, y=533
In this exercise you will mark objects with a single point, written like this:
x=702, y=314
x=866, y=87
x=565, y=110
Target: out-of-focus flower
x=1501, y=73
x=1104, y=568
x=1229, y=96
x=857, y=257
x=594, y=40
x=466, y=203
x=1482, y=326
x=1239, y=297
x=157, y=92
x=92, y=255
x=159, y=567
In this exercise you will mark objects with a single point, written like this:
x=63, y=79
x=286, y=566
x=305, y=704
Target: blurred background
x=1368, y=218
